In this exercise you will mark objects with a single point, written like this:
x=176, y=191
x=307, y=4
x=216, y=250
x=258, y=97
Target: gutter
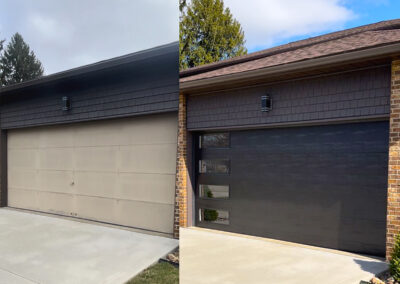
x=370, y=53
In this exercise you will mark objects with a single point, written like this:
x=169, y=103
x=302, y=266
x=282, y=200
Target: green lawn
x=160, y=273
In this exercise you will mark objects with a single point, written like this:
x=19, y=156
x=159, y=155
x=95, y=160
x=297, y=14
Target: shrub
x=394, y=264
x=210, y=215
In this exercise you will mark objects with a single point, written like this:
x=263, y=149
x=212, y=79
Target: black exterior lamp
x=266, y=103
x=66, y=103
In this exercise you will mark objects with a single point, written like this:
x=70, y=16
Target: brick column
x=393, y=198
x=180, y=215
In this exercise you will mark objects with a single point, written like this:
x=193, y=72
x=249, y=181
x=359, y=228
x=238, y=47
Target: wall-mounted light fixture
x=66, y=103
x=266, y=103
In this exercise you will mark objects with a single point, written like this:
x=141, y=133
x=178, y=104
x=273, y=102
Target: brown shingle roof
x=363, y=37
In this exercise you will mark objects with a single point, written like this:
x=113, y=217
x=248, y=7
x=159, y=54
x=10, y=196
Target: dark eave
x=359, y=57
x=95, y=67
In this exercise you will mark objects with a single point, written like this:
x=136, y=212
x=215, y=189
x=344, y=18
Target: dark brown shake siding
x=146, y=85
x=351, y=95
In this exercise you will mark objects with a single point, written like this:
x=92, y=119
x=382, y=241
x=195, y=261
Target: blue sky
x=269, y=23
x=366, y=12
x=70, y=33
x=369, y=11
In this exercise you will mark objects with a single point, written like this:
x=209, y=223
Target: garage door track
x=42, y=249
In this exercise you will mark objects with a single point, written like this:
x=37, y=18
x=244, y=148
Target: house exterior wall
x=360, y=93
x=143, y=87
x=355, y=95
x=133, y=85
x=393, y=206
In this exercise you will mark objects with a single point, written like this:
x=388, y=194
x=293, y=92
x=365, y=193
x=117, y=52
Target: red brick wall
x=393, y=206
x=180, y=216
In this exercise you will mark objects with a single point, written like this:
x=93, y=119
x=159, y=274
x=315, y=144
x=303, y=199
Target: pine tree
x=208, y=33
x=182, y=5
x=1, y=45
x=18, y=63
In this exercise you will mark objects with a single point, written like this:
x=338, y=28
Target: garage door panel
x=43, y=180
x=326, y=227
x=150, y=133
x=23, y=198
x=158, y=158
x=98, y=170
x=101, y=184
x=97, y=208
x=28, y=139
x=54, y=202
x=128, y=213
x=95, y=136
x=55, y=181
x=311, y=199
x=146, y=130
x=330, y=230
x=319, y=191
x=127, y=186
x=51, y=202
x=319, y=185
x=22, y=158
x=23, y=178
x=61, y=137
x=324, y=163
x=103, y=158
x=313, y=139
x=214, y=153
x=225, y=204
x=150, y=216
x=147, y=187
x=214, y=179
x=55, y=158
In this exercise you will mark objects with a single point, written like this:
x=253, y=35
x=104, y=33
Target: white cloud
x=69, y=33
x=266, y=22
x=50, y=30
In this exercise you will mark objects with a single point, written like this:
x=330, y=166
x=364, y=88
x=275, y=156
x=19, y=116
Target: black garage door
x=317, y=185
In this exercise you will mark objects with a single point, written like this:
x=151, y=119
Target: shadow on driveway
x=374, y=267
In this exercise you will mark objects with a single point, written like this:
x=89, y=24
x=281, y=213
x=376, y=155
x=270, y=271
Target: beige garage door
x=118, y=171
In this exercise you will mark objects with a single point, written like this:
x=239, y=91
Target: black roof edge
x=97, y=66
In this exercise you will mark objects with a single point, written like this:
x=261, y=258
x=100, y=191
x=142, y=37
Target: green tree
x=394, y=264
x=1, y=45
x=1, y=52
x=208, y=33
x=182, y=5
x=18, y=63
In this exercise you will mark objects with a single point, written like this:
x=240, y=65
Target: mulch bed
x=172, y=258
x=382, y=278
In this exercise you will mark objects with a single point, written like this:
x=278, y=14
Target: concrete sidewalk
x=42, y=249
x=209, y=257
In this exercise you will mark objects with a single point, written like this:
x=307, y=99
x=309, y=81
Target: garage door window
x=220, y=166
x=216, y=216
x=214, y=140
x=214, y=191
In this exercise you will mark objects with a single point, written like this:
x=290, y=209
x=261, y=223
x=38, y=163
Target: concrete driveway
x=41, y=249
x=209, y=257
